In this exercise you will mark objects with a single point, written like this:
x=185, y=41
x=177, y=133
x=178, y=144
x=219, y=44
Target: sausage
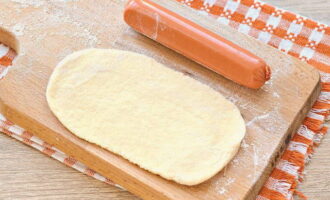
x=197, y=43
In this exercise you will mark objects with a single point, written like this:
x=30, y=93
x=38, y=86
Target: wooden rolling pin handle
x=197, y=43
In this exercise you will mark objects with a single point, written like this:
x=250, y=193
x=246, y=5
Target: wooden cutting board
x=47, y=32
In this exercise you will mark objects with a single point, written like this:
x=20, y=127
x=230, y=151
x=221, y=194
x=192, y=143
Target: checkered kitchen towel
x=296, y=35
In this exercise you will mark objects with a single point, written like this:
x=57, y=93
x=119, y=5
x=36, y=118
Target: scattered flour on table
x=18, y=29
x=235, y=162
x=222, y=191
x=60, y=17
x=275, y=94
x=244, y=145
x=255, y=162
x=37, y=3
x=230, y=181
x=225, y=184
x=64, y=1
x=29, y=3
x=257, y=118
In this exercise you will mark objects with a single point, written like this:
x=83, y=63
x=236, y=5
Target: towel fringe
x=289, y=171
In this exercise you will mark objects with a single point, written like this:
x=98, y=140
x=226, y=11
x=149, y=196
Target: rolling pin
x=197, y=43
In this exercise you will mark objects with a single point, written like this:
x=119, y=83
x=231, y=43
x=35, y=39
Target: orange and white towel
x=293, y=34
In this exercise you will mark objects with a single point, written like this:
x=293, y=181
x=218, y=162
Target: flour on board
x=255, y=162
x=222, y=191
x=244, y=145
x=224, y=185
x=29, y=3
x=257, y=118
x=18, y=29
x=37, y=3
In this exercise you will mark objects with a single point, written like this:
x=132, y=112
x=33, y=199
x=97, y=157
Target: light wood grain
x=28, y=169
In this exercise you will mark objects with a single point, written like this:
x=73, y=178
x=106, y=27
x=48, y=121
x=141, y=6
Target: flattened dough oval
x=155, y=117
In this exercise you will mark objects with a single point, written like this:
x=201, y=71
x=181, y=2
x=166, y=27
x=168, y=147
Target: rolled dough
x=158, y=118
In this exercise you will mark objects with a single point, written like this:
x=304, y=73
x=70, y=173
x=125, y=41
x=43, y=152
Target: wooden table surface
x=27, y=174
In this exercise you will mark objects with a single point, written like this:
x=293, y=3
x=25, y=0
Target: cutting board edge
x=298, y=120
x=21, y=120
